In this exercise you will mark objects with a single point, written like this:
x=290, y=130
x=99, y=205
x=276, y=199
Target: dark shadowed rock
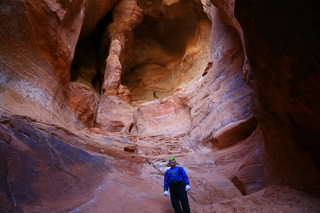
x=42, y=171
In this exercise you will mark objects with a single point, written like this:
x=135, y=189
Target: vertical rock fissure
x=88, y=58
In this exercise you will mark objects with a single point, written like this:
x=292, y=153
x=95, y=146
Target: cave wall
x=282, y=42
x=45, y=168
x=160, y=71
x=121, y=52
x=37, y=48
x=221, y=98
x=155, y=50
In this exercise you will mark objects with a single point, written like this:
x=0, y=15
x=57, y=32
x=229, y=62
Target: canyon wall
x=96, y=95
x=281, y=47
x=37, y=48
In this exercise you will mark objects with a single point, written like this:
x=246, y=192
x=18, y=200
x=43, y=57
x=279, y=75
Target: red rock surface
x=84, y=102
x=96, y=95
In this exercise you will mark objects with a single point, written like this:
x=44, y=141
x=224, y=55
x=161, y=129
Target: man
x=177, y=180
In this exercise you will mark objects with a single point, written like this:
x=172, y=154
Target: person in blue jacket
x=176, y=179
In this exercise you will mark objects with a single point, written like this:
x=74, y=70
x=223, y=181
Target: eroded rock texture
x=96, y=95
x=45, y=168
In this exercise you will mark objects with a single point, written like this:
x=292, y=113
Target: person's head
x=172, y=162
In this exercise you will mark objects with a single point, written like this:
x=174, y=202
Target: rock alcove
x=166, y=51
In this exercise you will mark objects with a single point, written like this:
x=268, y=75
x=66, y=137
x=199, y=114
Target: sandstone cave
x=95, y=96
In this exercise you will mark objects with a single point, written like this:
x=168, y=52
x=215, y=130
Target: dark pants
x=178, y=194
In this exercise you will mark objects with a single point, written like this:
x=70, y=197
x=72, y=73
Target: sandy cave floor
x=273, y=199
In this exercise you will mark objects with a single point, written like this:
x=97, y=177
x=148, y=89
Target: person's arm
x=184, y=176
x=185, y=179
x=165, y=185
x=165, y=182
